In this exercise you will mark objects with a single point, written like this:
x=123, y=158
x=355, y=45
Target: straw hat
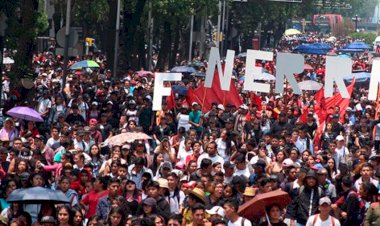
x=199, y=193
x=163, y=183
x=249, y=191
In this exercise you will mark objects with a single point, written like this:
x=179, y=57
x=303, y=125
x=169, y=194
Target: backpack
x=362, y=206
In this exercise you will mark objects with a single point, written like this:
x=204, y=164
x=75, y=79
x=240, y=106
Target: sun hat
x=249, y=191
x=199, y=193
x=163, y=183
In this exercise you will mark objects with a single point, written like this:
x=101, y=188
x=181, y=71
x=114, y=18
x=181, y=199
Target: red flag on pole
x=324, y=104
x=206, y=96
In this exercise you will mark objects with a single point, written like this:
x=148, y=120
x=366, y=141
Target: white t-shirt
x=222, y=146
x=183, y=121
x=240, y=223
x=213, y=159
x=319, y=222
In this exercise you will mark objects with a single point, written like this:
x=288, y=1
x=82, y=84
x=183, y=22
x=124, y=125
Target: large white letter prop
x=214, y=60
x=287, y=65
x=336, y=69
x=160, y=90
x=251, y=70
x=375, y=79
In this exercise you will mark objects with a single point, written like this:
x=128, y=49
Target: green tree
x=25, y=23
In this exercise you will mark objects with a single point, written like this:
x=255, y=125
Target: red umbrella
x=255, y=208
x=308, y=67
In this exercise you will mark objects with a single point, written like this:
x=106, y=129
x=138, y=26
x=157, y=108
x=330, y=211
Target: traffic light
x=89, y=41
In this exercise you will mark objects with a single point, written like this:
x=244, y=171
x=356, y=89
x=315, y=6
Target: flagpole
x=204, y=98
x=224, y=98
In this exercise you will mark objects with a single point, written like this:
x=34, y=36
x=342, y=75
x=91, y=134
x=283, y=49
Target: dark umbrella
x=183, y=69
x=199, y=74
x=36, y=195
x=255, y=208
x=181, y=90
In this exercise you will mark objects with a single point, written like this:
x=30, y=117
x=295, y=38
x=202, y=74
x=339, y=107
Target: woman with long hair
x=132, y=196
x=158, y=159
x=274, y=216
x=332, y=170
x=78, y=219
x=276, y=166
x=22, y=166
x=30, y=130
x=116, y=217
x=96, y=159
x=65, y=216
x=93, y=221
x=225, y=145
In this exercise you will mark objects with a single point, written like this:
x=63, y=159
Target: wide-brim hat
x=249, y=191
x=199, y=193
x=163, y=183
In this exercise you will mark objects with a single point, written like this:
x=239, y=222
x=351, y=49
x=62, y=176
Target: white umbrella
x=310, y=85
x=264, y=76
x=8, y=60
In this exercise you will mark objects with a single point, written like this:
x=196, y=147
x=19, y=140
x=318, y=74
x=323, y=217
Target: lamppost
x=3, y=26
x=356, y=19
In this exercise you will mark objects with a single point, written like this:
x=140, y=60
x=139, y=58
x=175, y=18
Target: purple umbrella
x=25, y=113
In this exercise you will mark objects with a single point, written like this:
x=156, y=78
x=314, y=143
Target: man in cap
x=323, y=217
x=196, y=118
x=337, y=127
x=240, y=118
x=259, y=172
x=280, y=124
x=326, y=185
x=341, y=149
x=306, y=202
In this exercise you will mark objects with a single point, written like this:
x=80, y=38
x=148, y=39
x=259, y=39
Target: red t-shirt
x=91, y=199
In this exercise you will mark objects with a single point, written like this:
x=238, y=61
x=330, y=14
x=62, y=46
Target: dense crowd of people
x=198, y=168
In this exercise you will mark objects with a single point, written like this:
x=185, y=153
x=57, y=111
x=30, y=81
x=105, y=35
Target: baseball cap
x=216, y=210
x=339, y=138
x=110, y=102
x=93, y=121
x=221, y=107
x=194, y=103
x=287, y=162
x=324, y=200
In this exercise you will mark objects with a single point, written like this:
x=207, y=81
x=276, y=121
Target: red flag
x=324, y=104
x=206, y=96
x=255, y=99
x=170, y=100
